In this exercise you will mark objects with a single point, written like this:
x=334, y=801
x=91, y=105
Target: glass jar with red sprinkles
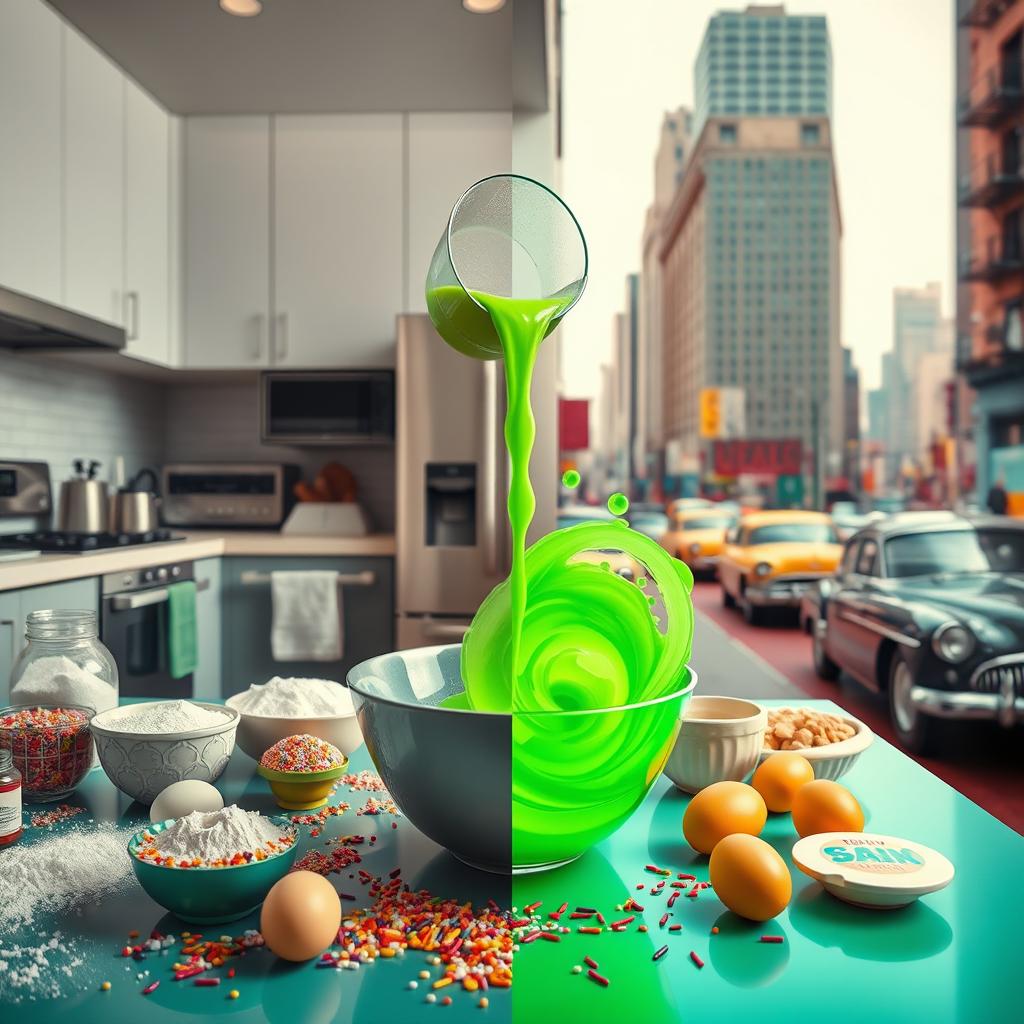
x=51, y=746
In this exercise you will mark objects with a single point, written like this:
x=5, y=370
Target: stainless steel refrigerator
x=452, y=527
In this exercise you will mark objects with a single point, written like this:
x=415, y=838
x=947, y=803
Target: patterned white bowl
x=834, y=759
x=720, y=740
x=142, y=765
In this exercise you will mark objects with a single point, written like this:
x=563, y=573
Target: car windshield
x=794, y=533
x=707, y=523
x=930, y=554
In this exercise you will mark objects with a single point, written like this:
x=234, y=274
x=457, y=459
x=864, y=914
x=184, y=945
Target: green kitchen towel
x=181, y=628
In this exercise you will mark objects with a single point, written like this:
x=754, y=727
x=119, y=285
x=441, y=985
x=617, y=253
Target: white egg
x=181, y=798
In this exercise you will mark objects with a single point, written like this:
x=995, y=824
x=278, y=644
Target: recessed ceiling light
x=483, y=6
x=242, y=8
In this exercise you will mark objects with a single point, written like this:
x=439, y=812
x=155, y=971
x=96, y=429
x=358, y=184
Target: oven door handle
x=143, y=599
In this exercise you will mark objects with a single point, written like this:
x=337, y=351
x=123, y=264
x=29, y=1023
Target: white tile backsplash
x=58, y=411
x=220, y=422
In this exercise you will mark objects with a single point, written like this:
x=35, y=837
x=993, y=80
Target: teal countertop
x=952, y=956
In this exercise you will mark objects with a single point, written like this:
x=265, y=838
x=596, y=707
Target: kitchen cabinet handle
x=131, y=302
x=444, y=630
x=359, y=579
x=145, y=598
x=281, y=337
x=261, y=336
x=489, y=469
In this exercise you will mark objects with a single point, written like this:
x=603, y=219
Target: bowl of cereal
x=832, y=743
x=51, y=745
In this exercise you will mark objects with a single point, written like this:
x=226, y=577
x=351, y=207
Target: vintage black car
x=929, y=608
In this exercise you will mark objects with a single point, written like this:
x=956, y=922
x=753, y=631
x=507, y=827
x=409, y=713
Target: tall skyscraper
x=990, y=240
x=674, y=146
x=750, y=245
x=851, y=419
x=762, y=61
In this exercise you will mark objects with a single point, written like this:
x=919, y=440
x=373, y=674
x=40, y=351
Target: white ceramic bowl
x=719, y=740
x=142, y=765
x=834, y=759
x=258, y=733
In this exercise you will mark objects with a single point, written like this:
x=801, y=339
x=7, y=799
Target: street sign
x=782, y=457
x=723, y=413
x=789, y=491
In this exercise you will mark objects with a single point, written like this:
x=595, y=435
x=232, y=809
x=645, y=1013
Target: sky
x=626, y=63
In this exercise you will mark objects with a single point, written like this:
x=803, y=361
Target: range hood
x=28, y=323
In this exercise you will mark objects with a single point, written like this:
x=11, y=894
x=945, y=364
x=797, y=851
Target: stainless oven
x=134, y=628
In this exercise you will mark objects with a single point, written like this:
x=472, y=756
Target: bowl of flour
x=282, y=707
x=145, y=747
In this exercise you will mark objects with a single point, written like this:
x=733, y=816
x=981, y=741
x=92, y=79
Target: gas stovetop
x=52, y=541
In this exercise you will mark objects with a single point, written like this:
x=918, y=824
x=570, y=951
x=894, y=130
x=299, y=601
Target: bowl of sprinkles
x=52, y=747
x=212, y=866
x=302, y=770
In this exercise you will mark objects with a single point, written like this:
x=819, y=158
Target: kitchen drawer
x=368, y=612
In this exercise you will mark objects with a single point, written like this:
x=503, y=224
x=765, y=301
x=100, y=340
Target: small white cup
x=720, y=739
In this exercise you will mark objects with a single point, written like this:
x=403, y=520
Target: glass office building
x=763, y=61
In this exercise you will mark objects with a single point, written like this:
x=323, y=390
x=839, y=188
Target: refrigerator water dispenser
x=450, y=501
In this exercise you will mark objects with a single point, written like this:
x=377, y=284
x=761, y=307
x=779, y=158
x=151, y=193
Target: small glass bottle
x=10, y=800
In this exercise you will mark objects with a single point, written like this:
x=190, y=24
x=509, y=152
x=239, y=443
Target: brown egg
x=301, y=916
x=721, y=809
x=825, y=806
x=750, y=877
x=779, y=776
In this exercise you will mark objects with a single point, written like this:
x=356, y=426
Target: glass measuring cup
x=509, y=236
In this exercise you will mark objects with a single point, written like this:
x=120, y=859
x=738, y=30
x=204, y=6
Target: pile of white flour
x=296, y=698
x=212, y=835
x=164, y=717
x=58, y=680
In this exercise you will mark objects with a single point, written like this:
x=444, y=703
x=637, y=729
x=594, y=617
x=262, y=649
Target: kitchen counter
x=950, y=957
x=56, y=568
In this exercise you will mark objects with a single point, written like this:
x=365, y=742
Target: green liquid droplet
x=570, y=478
x=642, y=582
x=618, y=504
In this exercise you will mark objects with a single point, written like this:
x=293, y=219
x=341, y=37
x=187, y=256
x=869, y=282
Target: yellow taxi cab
x=697, y=537
x=770, y=558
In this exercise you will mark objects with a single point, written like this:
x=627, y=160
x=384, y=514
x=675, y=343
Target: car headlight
x=694, y=549
x=762, y=569
x=953, y=642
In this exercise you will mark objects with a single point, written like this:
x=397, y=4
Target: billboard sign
x=778, y=457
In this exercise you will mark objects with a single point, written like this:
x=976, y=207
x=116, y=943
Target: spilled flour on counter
x=50, y=968
x=212, y=835
x=296, y=698
x=162, y=718
x=62, y=873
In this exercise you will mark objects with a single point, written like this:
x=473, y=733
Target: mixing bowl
x=142, y=765
x=209, y=895
x=302, y=791
x=258, y=733
x=507, y=792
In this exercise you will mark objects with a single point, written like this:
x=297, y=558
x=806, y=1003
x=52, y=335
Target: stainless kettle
x=83, y=500
x=134, y=509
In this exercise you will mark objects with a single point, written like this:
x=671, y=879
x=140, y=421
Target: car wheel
x=824, y=666
x=728, y=601
x=916, y=731
x=752, y=615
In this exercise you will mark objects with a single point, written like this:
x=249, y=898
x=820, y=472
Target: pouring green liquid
x=590, y=664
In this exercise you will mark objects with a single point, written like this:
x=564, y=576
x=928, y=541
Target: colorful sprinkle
x=302, y=753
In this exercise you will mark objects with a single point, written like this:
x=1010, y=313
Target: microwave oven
x=334, y=407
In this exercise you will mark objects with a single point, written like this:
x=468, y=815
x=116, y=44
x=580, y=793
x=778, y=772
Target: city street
x=983, y=762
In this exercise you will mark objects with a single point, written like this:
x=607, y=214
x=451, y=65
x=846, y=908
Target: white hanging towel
x=307, y=616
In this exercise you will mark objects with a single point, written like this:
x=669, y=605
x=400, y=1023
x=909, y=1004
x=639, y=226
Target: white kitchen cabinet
x=30, y=150
x=227, y=241
x=146, y=224
x=93, y=181
x=447, y=154
x=337, y=239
